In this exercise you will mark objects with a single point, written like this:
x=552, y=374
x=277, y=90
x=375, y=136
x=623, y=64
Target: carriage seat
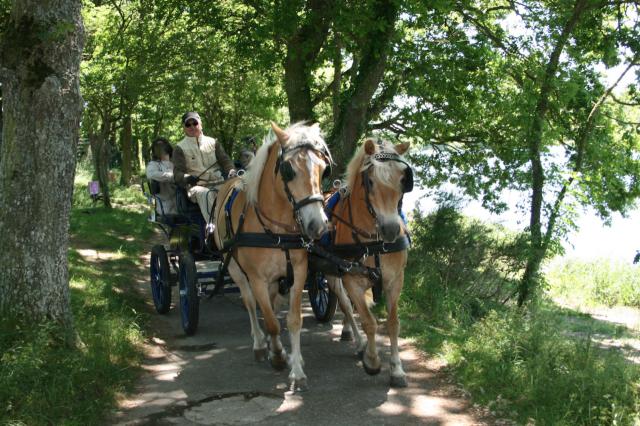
x=186, y=207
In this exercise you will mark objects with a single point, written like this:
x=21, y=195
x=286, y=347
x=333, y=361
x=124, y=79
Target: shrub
x=460, y=267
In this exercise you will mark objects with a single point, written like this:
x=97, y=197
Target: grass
x=595, y=283
x=43, y=381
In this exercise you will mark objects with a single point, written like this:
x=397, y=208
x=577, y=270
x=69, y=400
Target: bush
x=600, y=282
x=522, y=367
x=460, y=267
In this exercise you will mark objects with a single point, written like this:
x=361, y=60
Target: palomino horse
x=369, y=230
x=266, y=228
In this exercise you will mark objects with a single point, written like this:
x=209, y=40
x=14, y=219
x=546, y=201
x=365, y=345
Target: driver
x=200, y=164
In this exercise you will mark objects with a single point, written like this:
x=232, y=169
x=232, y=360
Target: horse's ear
x=369, y=147
x=402, y=148
x=281, y=134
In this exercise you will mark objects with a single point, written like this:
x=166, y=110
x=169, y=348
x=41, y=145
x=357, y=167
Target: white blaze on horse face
x=384, y=197
x=313, y=218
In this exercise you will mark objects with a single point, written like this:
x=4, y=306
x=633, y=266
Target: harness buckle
x=306, y=245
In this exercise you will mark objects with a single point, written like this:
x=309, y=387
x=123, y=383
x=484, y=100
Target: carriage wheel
x=323, y=300
x=189, y=301
x=160, y=279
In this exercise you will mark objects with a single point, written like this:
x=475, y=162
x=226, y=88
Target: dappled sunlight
x=291, y=402
x=94, y=255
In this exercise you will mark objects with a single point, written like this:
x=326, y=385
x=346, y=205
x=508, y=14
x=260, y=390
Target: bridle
x=287, y=174
x=407, y=186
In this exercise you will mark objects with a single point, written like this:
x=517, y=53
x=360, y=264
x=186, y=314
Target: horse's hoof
x=399, y=382
x=370, y=371
x=260, y=354
x=299, y=385
x=278, y=362
x=346, y=336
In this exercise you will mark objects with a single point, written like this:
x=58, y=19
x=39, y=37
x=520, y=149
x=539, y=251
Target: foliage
x=461, y=267
x=538, y=364
x=595, y=283
x=43, y=381
x=522, y=367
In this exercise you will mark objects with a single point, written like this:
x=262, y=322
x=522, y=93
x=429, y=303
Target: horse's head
x=386, y=176
x=304, y=158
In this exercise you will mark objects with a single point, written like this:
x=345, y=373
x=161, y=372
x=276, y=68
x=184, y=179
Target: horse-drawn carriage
x=268, y=226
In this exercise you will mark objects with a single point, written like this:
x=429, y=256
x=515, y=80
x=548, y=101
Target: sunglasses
x=191, y=124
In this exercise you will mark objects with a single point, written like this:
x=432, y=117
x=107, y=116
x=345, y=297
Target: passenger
x=246, y=155
x=200, y=165
x=160, y=174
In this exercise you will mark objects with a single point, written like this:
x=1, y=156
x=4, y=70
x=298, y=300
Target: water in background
x=593, y=240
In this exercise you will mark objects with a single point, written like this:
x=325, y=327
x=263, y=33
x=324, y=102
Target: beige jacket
x=204, y=156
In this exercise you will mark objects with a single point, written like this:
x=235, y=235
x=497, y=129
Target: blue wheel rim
x=321, y=296
x=184, y=299
x=157, y=284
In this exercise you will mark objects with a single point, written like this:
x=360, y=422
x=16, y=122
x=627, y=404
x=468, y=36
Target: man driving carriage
x=200, y=165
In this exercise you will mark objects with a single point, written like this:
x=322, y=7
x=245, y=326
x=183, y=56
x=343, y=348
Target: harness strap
x=355, y=228
x=376, y=288
x=357, y=251
x=261, y=214
x=262, y=240
x=285, y=283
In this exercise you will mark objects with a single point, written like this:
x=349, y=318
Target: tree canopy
x=498, y=95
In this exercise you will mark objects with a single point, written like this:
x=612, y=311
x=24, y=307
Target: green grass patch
x=595, y=283
x=43, y=381
x=522, y=366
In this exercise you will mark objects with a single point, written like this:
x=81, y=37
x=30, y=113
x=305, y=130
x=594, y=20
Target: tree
x=541, y=120
x=41, y=49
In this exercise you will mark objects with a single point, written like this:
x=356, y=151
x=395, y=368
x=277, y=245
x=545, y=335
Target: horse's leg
x=349, y=326
x=392, y=291
x=277, y=354
x=259, y=340
x=294, y=322
x=356, y=287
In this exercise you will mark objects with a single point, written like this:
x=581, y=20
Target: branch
x=625, y=103
x=324, y=93
x=580, y=149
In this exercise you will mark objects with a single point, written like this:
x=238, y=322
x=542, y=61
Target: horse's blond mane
x=299, y=133
x=381, y=171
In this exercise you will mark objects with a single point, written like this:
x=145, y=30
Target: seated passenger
x=246, y=155
x=160, y=171
x=200, y=164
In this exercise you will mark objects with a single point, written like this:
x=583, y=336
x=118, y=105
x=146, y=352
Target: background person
x=200, y=164
x=160, y=170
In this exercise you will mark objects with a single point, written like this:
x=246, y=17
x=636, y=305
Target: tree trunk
x=351, y=123
x=127, y=151
x=42, y=107
x=100, y=148
x=302, y=49
x=534, y=141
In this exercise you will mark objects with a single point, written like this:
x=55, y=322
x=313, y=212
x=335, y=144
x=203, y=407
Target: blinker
x=286, y=171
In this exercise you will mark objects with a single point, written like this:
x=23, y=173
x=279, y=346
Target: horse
x=368, y=229
x=276, y=211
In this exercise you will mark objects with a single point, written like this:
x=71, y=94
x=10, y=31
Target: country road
x=212, y=378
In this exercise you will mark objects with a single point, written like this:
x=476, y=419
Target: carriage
x=185, y=261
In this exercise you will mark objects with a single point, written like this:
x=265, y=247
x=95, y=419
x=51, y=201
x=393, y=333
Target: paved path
x=212, y=378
